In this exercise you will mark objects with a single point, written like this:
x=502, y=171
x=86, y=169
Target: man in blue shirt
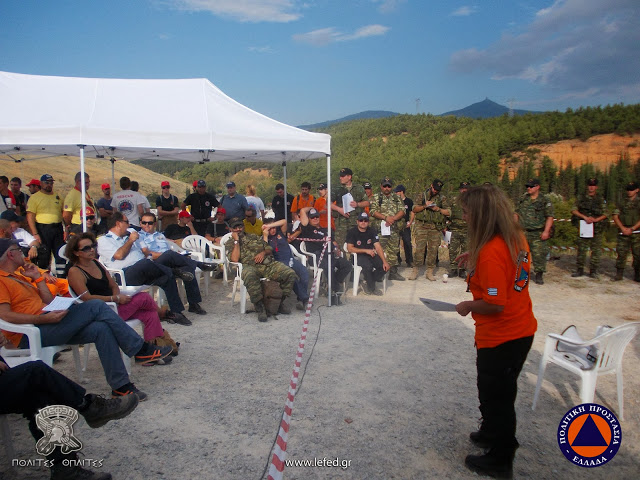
x=234, y=204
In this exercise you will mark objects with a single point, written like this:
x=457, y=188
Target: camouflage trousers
x=539, y=250
x=623, y=245
x=391, y=247
x=595, y=244
x=457, y=246
x=425, y=236
x=276, y=271
x=343, y=224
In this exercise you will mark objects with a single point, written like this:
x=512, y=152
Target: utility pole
x=417, y=106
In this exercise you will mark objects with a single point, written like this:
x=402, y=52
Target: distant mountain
x=485, y=109
x=355, y=116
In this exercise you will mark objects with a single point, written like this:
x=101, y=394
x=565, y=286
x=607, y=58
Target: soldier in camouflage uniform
x=627, y=219
x=430, y=208
x=387, y=207
x=591, y=208
x=535, y=213
x=458, y=229
x=257, y=261
x=345, y=221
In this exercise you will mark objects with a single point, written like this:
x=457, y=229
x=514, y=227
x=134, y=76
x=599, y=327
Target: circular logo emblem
x=589, y=435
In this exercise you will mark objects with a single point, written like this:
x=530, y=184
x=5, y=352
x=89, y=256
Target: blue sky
x=308, y=61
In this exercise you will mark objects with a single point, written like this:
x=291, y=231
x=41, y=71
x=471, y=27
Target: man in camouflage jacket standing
x=386, y=207
x=627, y=219
x=591, y=208
x=346, y=220
x=535, y=213
x=257, y=261
x=458, y=229
x=430, y=208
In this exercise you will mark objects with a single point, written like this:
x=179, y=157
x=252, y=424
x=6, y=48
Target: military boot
x=414, y=274
x=462, y=273
x=594, y=274
x=496, y=463
x=578, y=273
x=262, y=315
x=283, y=308
x=429, y=274
x=394, y=275
x=619, y=274
x=539, y=279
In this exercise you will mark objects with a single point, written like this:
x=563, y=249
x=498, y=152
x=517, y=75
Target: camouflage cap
x=236, y=222
x=437, y=185
x=386, y=182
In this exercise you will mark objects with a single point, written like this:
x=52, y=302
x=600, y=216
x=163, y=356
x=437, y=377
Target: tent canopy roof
x=187, y=119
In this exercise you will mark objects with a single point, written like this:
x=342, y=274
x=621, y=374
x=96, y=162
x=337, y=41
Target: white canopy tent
x=189, y=119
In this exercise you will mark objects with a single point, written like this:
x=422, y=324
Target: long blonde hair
x=490, y=213
x=251, y=190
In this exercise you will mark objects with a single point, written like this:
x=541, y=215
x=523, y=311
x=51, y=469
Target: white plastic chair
x=238, y=285
x=217, y=254
x=317, y=272
x=357, y=269
x=610, y=347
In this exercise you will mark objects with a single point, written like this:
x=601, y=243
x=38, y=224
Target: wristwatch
x=235, y=242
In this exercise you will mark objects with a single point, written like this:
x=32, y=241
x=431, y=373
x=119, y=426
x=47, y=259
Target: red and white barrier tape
x=276, y=469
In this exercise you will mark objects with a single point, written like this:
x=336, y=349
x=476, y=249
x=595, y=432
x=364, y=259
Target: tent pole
x=286, y=213
x=329, y=230
x=83, y=190
x=113, y=174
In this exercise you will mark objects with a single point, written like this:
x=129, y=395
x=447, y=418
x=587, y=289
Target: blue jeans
x=95, y=322
x=301, y=286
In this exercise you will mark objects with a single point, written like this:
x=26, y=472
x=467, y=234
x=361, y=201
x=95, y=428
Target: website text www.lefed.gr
x=320, y=462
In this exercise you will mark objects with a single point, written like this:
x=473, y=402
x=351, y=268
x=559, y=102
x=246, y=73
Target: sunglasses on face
x=364, y=220
x=165, y=187
x=88, y=248
x=142, y=222
x=90, y=217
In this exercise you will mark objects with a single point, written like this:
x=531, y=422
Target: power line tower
x=511, y=102
x=417, y=106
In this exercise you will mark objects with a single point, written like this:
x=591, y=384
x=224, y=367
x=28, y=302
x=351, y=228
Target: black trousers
x=200, y=227
x=147, y=272
x=372, y=270
x=341, y=270
x=31, y=386
x=498, y=371
x=52, y=238
x=405, y=238
x=173, y=259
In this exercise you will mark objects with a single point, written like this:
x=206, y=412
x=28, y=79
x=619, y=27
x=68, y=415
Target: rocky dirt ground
x=387, y=385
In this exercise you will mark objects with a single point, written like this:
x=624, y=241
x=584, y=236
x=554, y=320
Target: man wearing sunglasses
x=92, y=227
x=119, y=249
x=364, y=240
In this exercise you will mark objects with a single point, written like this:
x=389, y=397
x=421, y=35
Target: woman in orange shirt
x=498, y=261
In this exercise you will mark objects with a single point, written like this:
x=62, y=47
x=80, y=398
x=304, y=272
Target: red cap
x=34, y=182
x=165, y=184
x=88, y=212
x=184, y=214
x=105, y=186
x=195, y=183
x=221, y=210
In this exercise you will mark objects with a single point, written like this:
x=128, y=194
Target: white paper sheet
x=347, y=198
x=59, y=303
x=447, y=237
x=385, y=231
x=132, y=290
x=586, y=229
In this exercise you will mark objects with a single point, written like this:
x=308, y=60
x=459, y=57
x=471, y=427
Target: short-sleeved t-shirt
x=104, y=203
x=278, y=206
x=47, y=208
x=321, y=206
x=497, y=281
x=299, y=202
x=21, y=296
x=256, y=203
x=126, y=202
x=73, y=203
x=235, y=206
x=176, y=232
x=309, y=231
x=216, y=230
x=201, y=205
x=255, y=228
x=365, y=240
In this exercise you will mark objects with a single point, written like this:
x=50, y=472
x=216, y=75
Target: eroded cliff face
x=600, y=151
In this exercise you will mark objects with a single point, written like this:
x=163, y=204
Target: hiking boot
x=482, y=439
x=180, y=319
x=578, y=273
x=429, y=274
x=152, y=353
x=129, y=389
x=100, y=410
x=496, y=463
x=619, y=274
x=283, y=308
x=594, y=274
x=181, y=274
x=394, y=275
x=262, y=315
x=302, y=305
x=462, y=273
x=73, y=471
x=539, y=279
x=414, y=274
x=197, y=309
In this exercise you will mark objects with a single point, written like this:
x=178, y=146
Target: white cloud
x=464, y=11
x=263, y=49
x=243, y=10
x=387, y=6
x=325, y=36
x=573, y=45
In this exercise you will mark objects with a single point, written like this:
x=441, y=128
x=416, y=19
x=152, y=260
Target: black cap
x=632, y=186
x=5, y=243
x=464, y=185
x=201, y=183
x=11, y=216
x=231, y=184
x=437, y=185
x=322, y=186
x=46, y=178
x=313, y=213
x=592, y=182
x=363, y=216
x=367, y=185
x=532, y=182
x=235, y=221
x=386, y=181
x=345, y=171
x=400, y=188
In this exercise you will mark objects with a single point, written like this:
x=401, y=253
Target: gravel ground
x=388, y=387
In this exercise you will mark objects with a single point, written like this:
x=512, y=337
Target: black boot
x=636, y=275
x=284, y=309
x=496, y=463
x=482, y=438
x=394, y=275
x=594, y=274
x=619, y=274
x=462, y=273
x=262, y=315
x=578, y=273
x=539, y=279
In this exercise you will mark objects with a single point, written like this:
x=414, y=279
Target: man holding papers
x=88, y=322
x=350, y=201
x=590, y=210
